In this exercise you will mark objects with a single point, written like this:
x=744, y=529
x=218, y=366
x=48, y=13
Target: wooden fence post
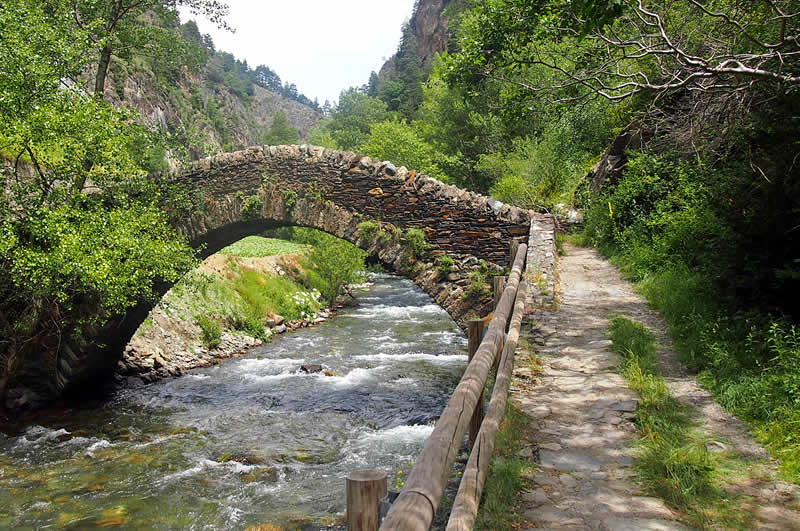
x=499, y=283
x=365, y=488
x=475, y=329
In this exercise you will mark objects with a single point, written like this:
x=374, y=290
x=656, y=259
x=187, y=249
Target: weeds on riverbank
x=243, y=295
x=505, y=481
x=673, y=462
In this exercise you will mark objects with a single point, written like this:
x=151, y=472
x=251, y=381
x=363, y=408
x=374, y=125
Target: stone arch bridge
x=370, y=203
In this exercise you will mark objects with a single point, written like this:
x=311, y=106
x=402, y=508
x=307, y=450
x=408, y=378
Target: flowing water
x=253, y=440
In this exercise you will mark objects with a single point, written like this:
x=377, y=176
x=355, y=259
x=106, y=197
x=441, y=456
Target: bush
x=477, y=286
x=289, y=199
x=251, y=207
x=211, y=330
x=415, y=242
x=445, y=264
x=367, y=231
x=332, y=264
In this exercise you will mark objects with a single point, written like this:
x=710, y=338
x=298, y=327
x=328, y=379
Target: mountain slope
x=217, y=105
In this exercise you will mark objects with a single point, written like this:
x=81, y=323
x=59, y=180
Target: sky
x=322, y=46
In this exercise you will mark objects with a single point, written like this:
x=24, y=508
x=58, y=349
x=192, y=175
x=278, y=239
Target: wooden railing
x=417, y=503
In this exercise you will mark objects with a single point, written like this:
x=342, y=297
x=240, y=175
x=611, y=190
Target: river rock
x=158, y=359
x=280, y=329
x=275, y=319
x=311, y=368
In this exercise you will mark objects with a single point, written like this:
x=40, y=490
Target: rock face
x=613, y=161
x=242, y=122
x=429, y=27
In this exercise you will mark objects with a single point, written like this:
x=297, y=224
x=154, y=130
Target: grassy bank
x=505, y=481
x=241, y=287
x=673, y=462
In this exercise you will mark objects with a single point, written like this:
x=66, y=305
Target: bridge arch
x=342, y=193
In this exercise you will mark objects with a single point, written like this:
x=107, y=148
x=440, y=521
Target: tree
x=402, y=89
x=372, y=85
x=400, y=143
x=70, y=257
x=121, y=26
x=621, y=48
x=280, y=132
x=352, y=118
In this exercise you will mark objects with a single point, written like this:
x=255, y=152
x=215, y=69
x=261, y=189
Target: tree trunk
x=105, y=52
x=102, y=70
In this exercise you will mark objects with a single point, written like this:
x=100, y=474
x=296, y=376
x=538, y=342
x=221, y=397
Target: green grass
x=749, y=361
x=578, y=238
x=258, y=246
x=242, y=300
x=505, y=481
x=672, y=461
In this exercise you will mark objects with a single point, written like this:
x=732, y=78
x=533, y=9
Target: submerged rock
x=311, y=368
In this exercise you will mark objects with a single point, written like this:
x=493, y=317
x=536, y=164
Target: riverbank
x=219, y=295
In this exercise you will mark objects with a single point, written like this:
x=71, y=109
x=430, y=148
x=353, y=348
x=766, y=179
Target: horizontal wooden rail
x=416, y=505
x=465, y=507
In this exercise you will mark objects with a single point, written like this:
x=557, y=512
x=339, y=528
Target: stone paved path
x=581, y=414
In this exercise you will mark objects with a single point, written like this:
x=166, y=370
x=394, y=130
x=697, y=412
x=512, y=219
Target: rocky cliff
x=428, y=25
x=209, y=116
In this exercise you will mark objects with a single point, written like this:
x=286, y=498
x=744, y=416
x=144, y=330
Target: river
x=252, y=441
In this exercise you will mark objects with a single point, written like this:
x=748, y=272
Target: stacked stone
x=455, y=221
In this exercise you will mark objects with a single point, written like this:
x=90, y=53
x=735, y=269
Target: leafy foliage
x=332, y=264
x=280, y=132
x=351, y=120
x=83, y=236
x=399, y=142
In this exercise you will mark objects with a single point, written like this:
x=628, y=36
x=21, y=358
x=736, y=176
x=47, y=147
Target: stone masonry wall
x=455, y=221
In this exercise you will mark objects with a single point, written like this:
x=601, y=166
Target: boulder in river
x=311, y=368
x=274, y=319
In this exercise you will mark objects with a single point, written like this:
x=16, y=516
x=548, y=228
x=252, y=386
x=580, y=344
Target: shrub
x=415, y=242
x=445, y=264
x=367, y=231
x=289, y=199
x=477, y=286
x=251, y=207
x=211, y=330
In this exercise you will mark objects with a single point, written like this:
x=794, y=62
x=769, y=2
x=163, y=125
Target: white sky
x=322, y=46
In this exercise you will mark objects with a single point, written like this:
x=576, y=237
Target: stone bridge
x=244, y=192
x=370, y=203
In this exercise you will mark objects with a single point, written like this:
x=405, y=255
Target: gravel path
x=581, y=414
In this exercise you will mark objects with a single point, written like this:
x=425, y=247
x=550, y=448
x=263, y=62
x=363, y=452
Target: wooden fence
x=417, y=503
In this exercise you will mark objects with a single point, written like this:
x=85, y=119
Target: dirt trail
x=581, y=415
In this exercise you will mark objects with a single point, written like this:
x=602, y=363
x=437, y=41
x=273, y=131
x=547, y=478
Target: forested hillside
x=675, y=126
x=211, y=100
